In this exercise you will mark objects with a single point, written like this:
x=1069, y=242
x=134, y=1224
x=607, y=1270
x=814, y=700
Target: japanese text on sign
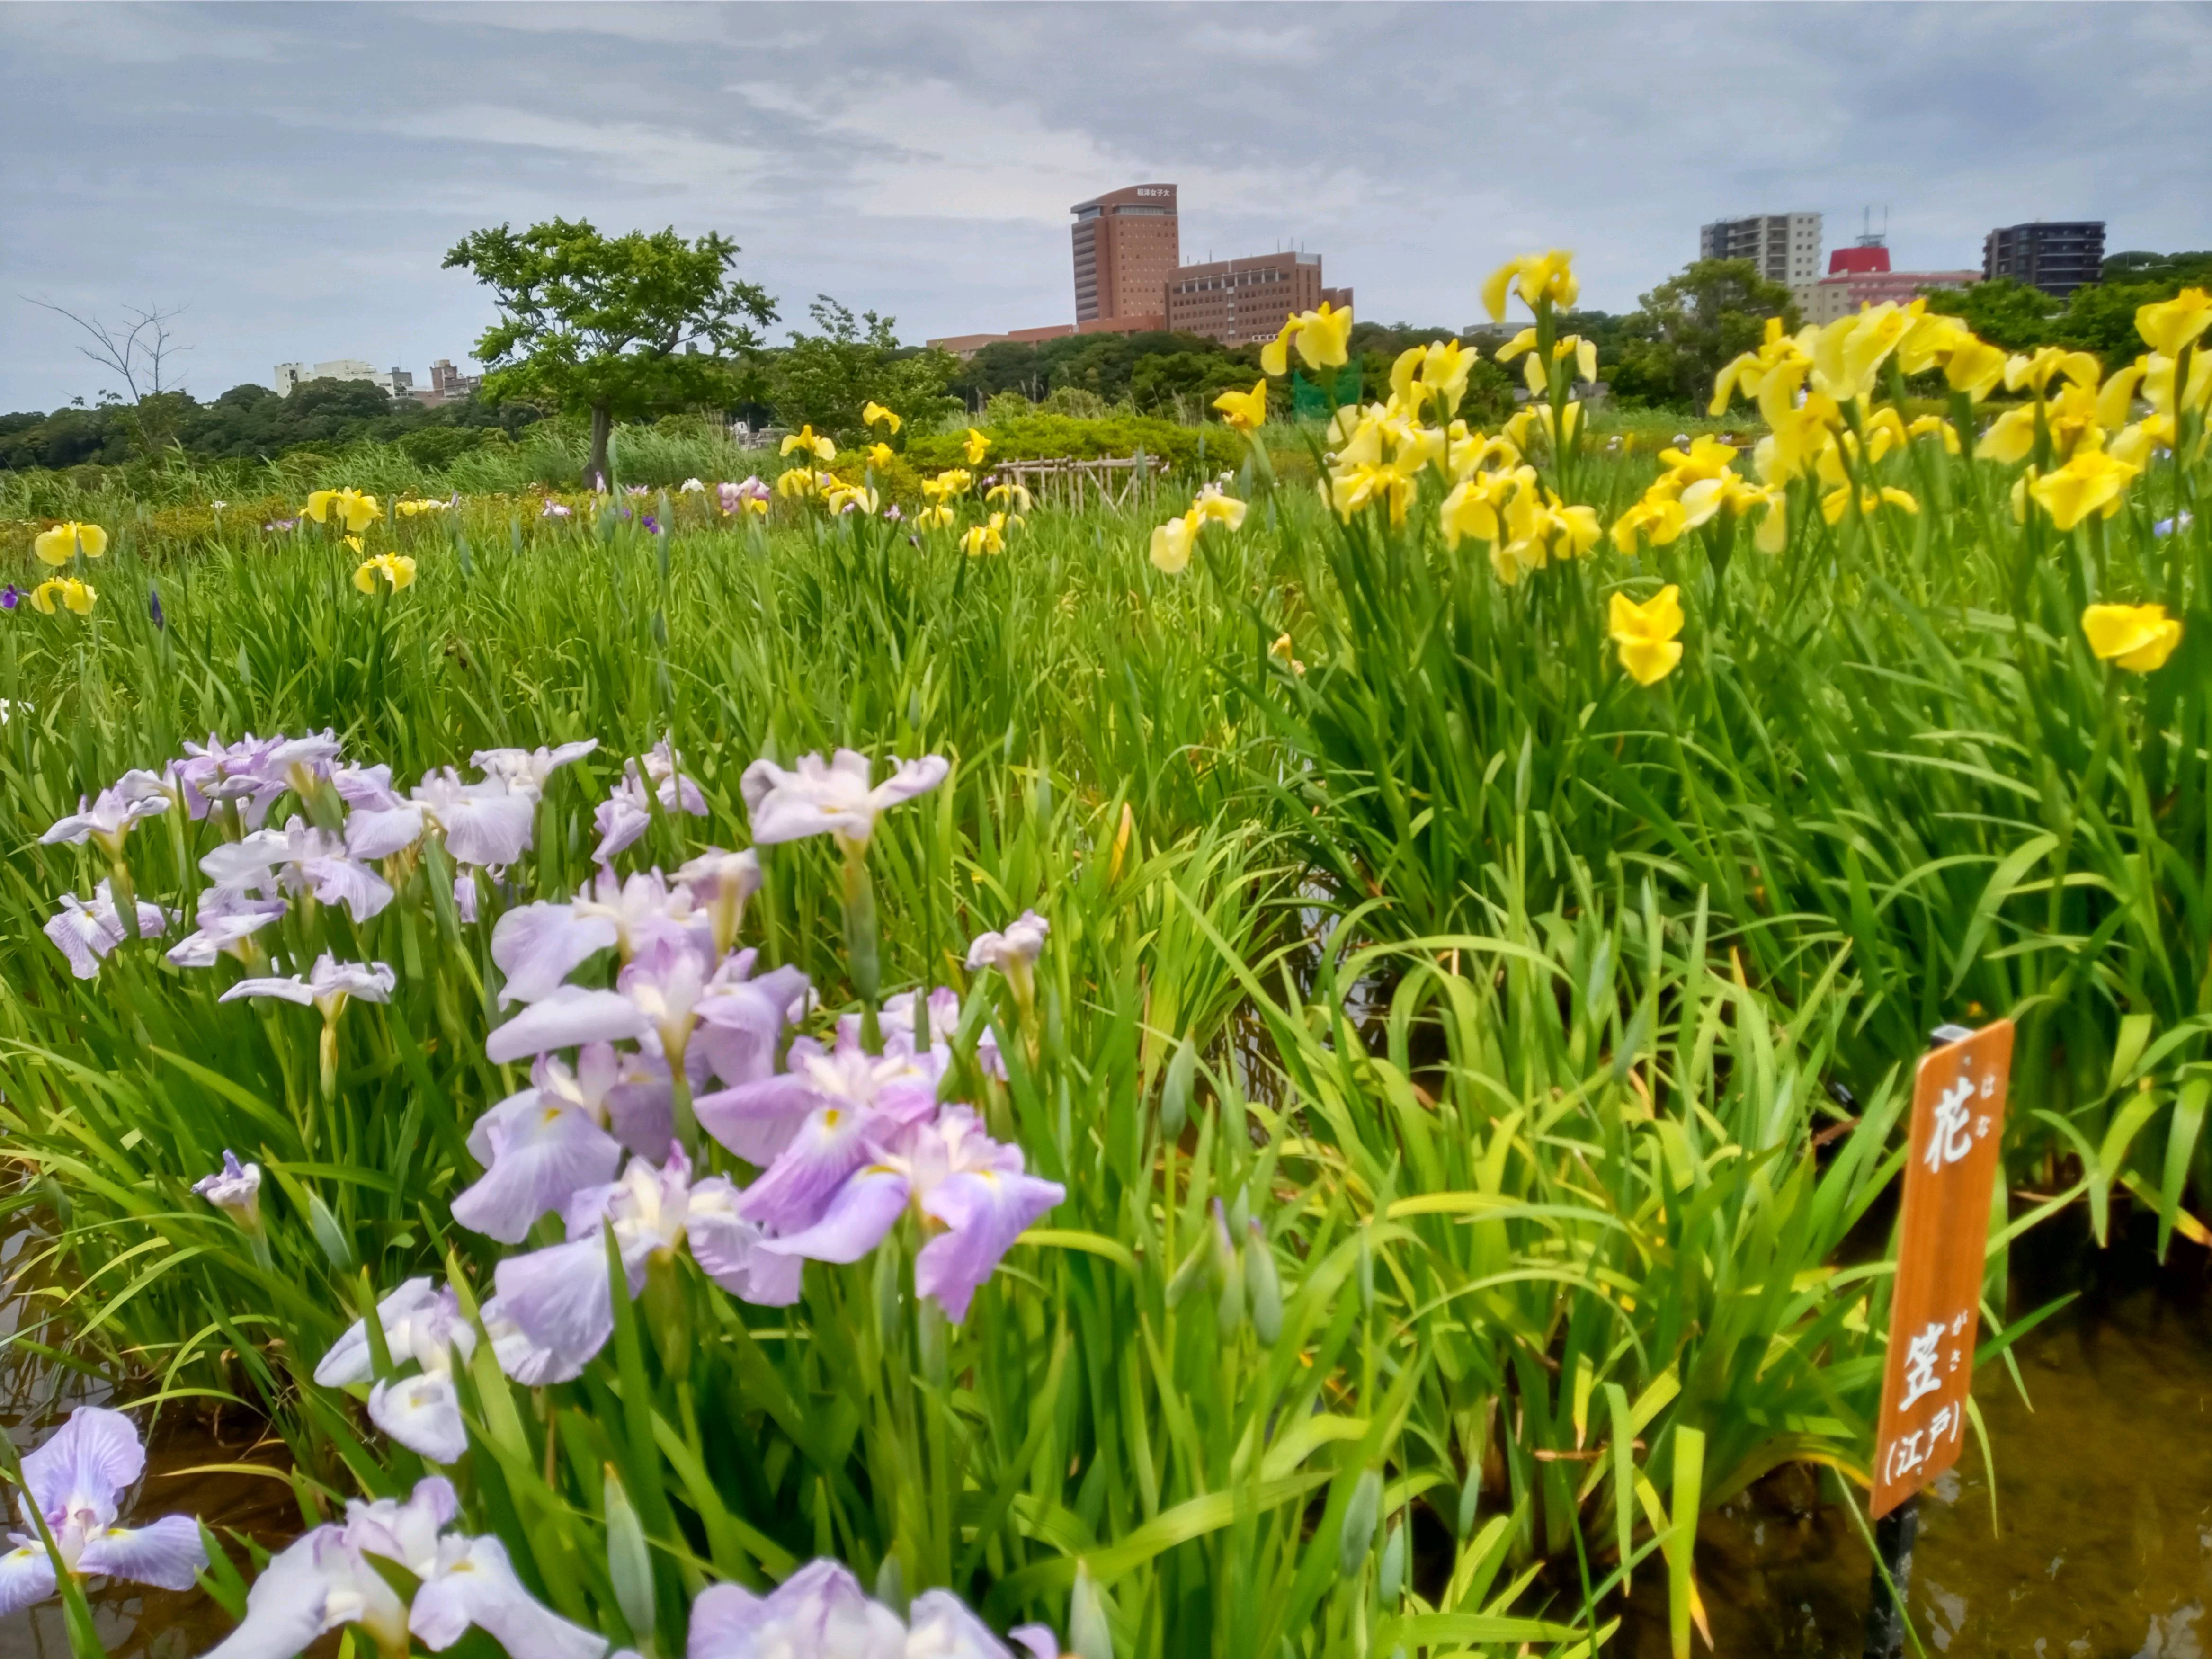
x=1958, y=1117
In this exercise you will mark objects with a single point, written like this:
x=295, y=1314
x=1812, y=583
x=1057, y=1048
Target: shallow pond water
x=2101, y=1544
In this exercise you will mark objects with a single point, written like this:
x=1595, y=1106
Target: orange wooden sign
x=1934, y=1317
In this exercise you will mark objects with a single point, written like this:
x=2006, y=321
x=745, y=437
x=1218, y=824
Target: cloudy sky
x=292, y=175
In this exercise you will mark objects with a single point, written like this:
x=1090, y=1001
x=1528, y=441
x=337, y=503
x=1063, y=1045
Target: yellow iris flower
x=355, y=512
x=2091, y=481
x=2140, y=637
x=1247, y=411
x=1848, y=353
x=954, y=481
x=1768, y=376
x=416, y=509
x=844, y=497
x=1975, y=368
x=1799, y=438
x=1538, y=279
x=990, y=537
x=1934, y=426
x=1656, y=521
x=1838, y=501
x=77, y=596
x=2172, y=324
x=1352, y=488
x=1014, y=495
x=1646, y=634
x=1323, y=339
x=396, y=569
x=880, y=456
x=873, y=414
x=807, y=442
x=975, y=446
x=795, y=482
x=1172, y=542
x=64, y=542
x=2134, y=444
x=2036, y=372
x=1213, y=507
x=939, y=517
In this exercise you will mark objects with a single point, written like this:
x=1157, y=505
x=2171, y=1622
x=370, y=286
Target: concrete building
x=2056, y=255
x=1126, y=244
x=1785, y=247
x=397, y=382
x=1861, y=277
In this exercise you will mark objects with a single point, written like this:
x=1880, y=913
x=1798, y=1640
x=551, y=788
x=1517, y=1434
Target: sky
x=291, y=176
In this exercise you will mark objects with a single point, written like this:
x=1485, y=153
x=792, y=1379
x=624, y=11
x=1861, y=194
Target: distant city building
x=1861, y=276
x=446, y=383
x=967, y=345
x=2056, y=255
x=397, y=382
x=1785, y=247
x=1130, y=279
x=1127, y=243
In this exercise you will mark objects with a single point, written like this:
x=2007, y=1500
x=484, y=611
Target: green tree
x=2004, y=313
x=1672, y=346
x=823, y=379
x=612, y=326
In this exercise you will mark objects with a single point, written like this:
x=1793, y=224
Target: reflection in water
x=2102, y=1544
x=134, y=1621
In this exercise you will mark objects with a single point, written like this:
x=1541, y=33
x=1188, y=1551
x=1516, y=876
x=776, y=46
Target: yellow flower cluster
x=353, y=511
x=64, y=542
x=73, y=594
x=1697, y=486
x=1322, y=337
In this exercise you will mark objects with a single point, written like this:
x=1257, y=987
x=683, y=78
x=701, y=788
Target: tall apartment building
x=1785, y=247
x=1128, y=245
x=2056, y=255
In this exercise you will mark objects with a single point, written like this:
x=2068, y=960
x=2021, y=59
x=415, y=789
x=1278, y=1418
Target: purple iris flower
x=86, y=933
x=10, y=597
x=326, y=1579
x=559, y=1298
x=652, y=524
x=627, y=813
x=153, y=605
x=74, y=1483
x=299, y=857
x=821, y=1609
x=832, y=795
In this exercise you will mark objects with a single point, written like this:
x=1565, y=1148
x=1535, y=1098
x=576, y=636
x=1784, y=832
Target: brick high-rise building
x=2057, y=256
x=1128, y=245
x=1238, y=300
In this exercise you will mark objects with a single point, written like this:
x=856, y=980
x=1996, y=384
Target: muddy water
x=2101, y=1543
x=135, y=1622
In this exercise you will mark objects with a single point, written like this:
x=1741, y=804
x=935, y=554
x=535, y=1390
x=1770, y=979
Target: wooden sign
x=1934, y=1317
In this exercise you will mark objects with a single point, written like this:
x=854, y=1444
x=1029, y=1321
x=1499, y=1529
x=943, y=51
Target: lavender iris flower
x=725, y=881
x=560, y=1297
x=74, y=1483
x=554, y=510
x=236, y=1187
x=329, y=985
x=821, y=1609
x=627, y=813
x=326, y=1579
x=831, y=796
x=541, y=1146
x=214, y=772
x=422, y=1412
x=108, y=818
x=282, y=524
x=227, y=919
x=839, y=1089
x=299, y=857
x=85, y=934
x=488, y=824
x=527, y=769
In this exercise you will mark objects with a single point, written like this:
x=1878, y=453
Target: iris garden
x=801, y=1064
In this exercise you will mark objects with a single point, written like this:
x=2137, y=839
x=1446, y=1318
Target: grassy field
x=1470, y=1074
